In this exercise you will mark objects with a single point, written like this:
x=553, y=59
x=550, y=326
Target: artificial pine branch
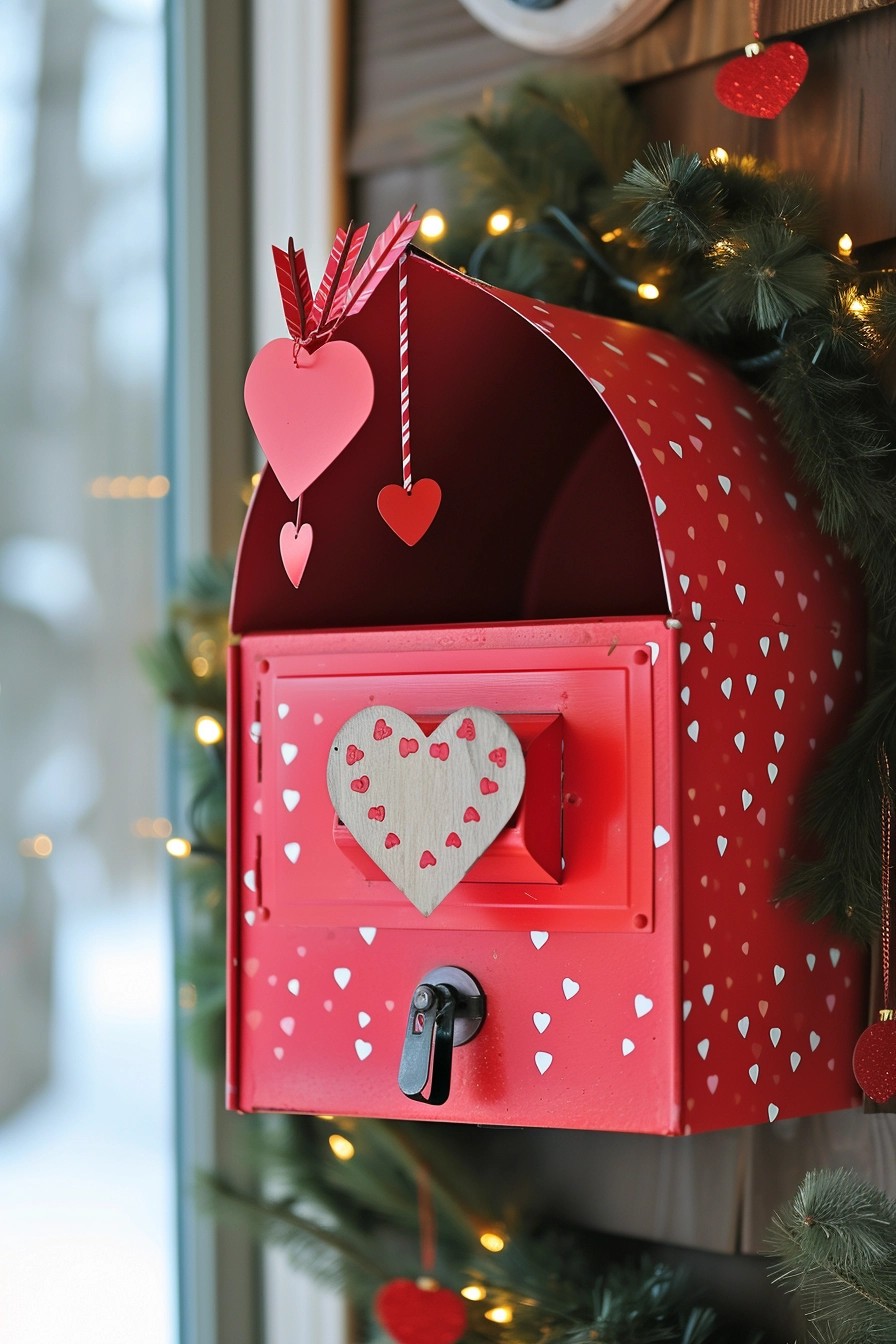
x=330, y=1257
x=680, y=199
x=764, y=274
x=837, y=1244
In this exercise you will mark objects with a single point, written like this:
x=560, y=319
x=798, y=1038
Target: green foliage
x=735, y=248
x=545, y=142
x=837, y=1244
x=646, y=1304
x=680, y=199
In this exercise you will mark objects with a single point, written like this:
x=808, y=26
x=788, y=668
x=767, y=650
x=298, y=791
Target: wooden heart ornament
x=306, y=408
x=425, y=808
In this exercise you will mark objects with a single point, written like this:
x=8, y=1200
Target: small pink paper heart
x=409, y=513
x=295, y=547
x=762, y=85
x=306, y=410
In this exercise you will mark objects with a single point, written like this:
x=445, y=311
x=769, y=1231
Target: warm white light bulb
x=208, y=730
x=433, y=226
x=499, y=221
x=491, y=1241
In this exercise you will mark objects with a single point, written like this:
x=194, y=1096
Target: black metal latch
x=447, y=1009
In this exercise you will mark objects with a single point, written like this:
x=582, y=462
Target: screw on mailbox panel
x=447, y=1010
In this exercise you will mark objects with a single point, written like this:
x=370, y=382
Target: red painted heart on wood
x=415, y=1315
x=874, y=1061
x=410, y=513
x=295, y=547
x=762, y=85
x=306, y=411
x=426, y=795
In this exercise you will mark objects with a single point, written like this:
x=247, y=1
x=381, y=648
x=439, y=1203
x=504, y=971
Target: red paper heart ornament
x=420, y=1315
x=874, y=1061
x=762, y=82
x=426, y=797
x=409, y=513
x=306, y=409
x=295, y=547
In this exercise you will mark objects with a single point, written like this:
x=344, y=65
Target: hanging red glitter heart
x=762, y=82
x=874, y=1061
x=420, y=1315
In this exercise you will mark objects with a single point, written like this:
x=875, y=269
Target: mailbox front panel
x=568, y=922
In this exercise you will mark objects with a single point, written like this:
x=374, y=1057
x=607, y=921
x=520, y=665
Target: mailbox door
x=569, y=922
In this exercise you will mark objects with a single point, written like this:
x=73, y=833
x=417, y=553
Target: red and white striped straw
x=403, y=365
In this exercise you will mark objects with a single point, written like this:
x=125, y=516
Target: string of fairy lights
x=434, y=227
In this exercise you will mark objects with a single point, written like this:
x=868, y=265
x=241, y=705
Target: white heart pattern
x=542, y=1021
x=342, y=975
x=362, y=1049
x=643, y=1005
x=570, y=988
x=425, y=806
x=539, y=937
x=543, y=1061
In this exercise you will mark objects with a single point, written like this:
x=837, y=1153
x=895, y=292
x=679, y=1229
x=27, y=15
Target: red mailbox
x=624, y=571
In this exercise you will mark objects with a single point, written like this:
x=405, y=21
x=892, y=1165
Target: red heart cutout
x=487, y=786
x=360, y=785
x=305, y=411
x=762, y=85
x=467, y=730
x=874, y=1061
x=453, y=840
x=295, y=547
x=471, y=814
x=415, y=1315
x=409, y=513
x=354, y=754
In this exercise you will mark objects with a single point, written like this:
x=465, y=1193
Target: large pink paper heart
x=762, y=85
x=295, y=547
x=425, y=808
x=306, y=412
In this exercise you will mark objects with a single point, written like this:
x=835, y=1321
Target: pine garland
x=733, y=251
